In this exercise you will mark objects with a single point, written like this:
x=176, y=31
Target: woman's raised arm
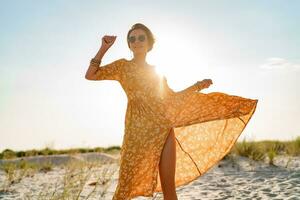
x=94, y=65
x=107, y=42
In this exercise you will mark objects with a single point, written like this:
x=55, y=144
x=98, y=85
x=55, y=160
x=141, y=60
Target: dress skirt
x=206, y=127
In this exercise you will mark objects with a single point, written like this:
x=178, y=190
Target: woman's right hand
x=107, y=41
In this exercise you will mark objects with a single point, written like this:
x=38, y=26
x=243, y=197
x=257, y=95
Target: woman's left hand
x=205, y=83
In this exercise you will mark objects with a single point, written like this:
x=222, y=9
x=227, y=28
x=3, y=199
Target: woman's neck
x=140, y=60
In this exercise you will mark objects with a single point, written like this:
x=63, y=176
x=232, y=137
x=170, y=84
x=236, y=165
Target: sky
x=248, y=48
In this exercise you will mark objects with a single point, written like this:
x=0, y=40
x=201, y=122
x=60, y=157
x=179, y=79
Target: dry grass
x=75, y=179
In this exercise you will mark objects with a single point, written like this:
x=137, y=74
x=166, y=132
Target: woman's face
x=138, y=47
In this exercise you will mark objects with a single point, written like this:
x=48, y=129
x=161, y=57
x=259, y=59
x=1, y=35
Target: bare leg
x=167, y=168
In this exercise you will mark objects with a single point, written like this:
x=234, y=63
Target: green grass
x=260, y=150
x=10, y=154
x=249, y=149
x=256, y=150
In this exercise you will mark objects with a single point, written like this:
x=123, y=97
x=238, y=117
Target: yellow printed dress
x=206, y=127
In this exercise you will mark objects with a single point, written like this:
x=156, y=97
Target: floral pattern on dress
x=206, y=127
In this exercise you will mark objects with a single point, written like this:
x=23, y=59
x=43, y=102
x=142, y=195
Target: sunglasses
x=141, y=38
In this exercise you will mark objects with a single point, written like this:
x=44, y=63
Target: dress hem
x=196, y=177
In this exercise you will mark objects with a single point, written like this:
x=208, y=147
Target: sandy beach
x=233, y=178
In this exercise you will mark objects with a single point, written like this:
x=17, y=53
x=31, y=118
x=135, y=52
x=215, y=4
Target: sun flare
x=176, y=56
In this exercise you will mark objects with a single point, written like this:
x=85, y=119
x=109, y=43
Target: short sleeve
x=111, y=71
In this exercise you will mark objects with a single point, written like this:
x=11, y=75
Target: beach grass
x=266, y=149
x=256, y=150
x=10, y=154
x=70, y=185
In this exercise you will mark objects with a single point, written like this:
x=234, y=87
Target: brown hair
x=150, y=37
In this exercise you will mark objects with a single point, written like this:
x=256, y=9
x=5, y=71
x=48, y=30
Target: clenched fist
x=108, y=41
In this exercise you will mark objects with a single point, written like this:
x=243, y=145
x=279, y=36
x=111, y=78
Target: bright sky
x=248, y=48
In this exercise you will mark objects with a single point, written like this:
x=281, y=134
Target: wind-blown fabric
x=206, y=127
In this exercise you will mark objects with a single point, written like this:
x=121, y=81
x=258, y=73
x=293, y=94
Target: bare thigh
x=167, y=164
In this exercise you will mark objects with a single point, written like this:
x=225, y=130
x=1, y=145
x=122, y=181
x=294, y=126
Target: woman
x=171, y=138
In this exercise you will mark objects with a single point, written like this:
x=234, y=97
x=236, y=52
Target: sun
x=175, y=55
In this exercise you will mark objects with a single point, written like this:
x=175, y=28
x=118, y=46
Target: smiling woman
x=171, y=138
